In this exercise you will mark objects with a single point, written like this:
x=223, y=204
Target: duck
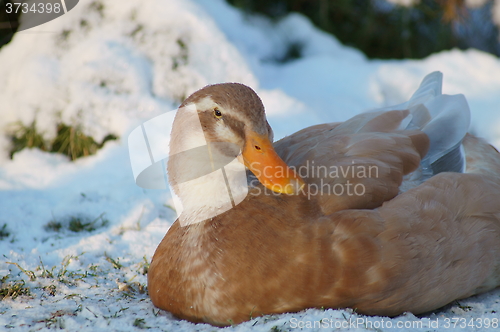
x=394, y=210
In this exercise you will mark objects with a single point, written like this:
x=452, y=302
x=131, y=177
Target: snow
x=109, y=68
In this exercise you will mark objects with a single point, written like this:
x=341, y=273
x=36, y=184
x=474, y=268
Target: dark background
x=376, y=27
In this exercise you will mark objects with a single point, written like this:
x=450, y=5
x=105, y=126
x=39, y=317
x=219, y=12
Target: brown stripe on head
x=208, y=123
x=240, y=104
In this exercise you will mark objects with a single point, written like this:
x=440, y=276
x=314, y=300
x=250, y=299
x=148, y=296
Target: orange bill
x=259, y=156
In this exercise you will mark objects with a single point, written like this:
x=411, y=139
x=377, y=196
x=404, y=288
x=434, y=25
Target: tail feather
x=451, y=161
x=444, y=118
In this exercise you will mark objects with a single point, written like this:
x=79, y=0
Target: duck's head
x=232, y=116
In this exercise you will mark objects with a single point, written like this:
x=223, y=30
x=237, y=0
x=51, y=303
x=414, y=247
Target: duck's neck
x=206, y=182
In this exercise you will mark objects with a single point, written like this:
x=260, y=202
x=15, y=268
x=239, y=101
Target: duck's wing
x=361, y=163
x=357, y=164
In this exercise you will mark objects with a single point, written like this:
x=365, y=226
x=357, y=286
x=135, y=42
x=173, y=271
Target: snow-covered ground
x=107, y=66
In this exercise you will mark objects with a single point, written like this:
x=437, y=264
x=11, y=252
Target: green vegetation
x=182, y=58
x=13, y=289
x=178, y=61
x=98, y=7
x=70, y=140
x=26, y=137
x=29, y=273
x=463, y=307
x=4, y=232
x=383, y=30
x=140, y=323
x=144, y=265
x=116, y=263
x=77, y=224
x=56, y=320
x=62, y=274
x=50, y=290
x=53, y=226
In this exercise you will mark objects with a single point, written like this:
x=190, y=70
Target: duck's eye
x=217, y=113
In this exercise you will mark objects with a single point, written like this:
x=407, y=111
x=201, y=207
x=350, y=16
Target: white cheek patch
x=225, y=132
x=202, y=194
